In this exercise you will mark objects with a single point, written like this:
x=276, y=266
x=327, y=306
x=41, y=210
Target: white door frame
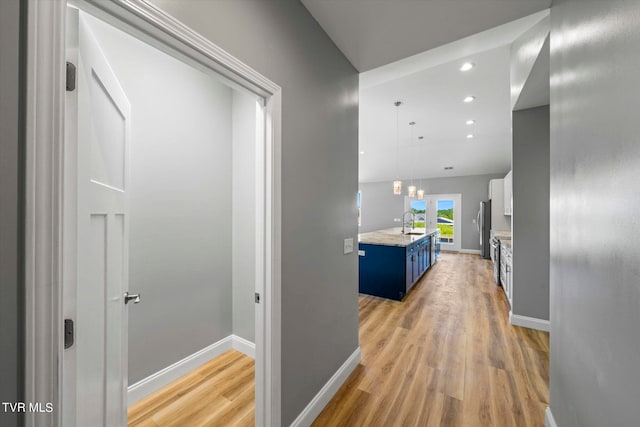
x=44, y=190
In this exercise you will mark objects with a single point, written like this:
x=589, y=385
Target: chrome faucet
x=404, y=222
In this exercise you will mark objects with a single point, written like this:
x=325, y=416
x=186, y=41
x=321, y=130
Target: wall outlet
x=348, y=245
x=397, y=220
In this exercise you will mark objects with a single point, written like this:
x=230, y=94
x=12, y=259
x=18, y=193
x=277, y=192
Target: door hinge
x=71, y=77
x=68, y=333
x=257, y=298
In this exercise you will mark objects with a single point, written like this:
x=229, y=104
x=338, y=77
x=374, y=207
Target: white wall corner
x=320, y=400
x=529, y=322
x=549, y=421
x=243, y=346
x=155, y=382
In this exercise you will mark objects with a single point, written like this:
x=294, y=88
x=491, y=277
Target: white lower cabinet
x=506, y=271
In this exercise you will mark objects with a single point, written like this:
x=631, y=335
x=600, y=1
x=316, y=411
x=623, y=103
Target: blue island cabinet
x=391, y=271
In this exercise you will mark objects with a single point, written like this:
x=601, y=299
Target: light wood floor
x=219, y=393
x=446, y=356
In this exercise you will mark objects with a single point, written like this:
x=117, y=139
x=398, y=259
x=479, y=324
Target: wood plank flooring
x=446, y=356
x=218, y=393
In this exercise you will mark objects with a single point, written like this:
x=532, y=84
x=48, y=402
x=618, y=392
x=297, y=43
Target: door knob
x=131, y=297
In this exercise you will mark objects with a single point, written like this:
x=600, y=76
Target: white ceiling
x=433, y=99
x=412, y=50
x=372, y=33
x=432, y=88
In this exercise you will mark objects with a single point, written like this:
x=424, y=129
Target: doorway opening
x=165, y=217
x=419, y=209
x=163, y=188
x=441, y=211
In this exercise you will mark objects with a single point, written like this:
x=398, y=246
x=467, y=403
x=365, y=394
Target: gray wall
x=524, y=53
x=11, y=210
x=180, y=195
x=530, y=220
x=281, y=40
x=595, y=153
x=243, y=154
x=380, y=206
x=535, y=92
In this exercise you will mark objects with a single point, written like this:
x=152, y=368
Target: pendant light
x=420, y=190
x=397, y=184
x=411, y=190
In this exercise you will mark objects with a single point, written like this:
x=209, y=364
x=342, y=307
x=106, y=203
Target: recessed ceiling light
x=469, y=99
x=470, y=122
x=362, y=152
x=467, y=66
x=470, y=136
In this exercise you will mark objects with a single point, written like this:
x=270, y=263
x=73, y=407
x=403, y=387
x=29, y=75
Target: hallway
x=446, y=356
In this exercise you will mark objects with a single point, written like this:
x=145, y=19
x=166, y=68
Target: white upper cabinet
x=496, y=195
x=496, y=187
x=508, y=193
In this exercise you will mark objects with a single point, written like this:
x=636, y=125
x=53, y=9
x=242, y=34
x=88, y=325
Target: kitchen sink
x=414, y=233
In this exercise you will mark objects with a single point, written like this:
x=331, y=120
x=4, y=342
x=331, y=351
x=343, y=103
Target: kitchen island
x=390, y=262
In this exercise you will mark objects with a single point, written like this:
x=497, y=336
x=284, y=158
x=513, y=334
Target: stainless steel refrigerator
x=483, y=224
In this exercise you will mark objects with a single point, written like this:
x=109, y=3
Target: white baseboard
x=320, y=400
x=243, y=346
x=154, y=382
x=471, y=251
x=529, y=322
x=549, y=421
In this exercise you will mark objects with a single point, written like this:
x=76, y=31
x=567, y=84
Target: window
x=419, y=210
x=445, y=221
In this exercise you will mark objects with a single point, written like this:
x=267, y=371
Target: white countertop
x=394, y=237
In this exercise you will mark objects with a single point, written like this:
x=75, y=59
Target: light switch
x=397, y=220
x=348, y=245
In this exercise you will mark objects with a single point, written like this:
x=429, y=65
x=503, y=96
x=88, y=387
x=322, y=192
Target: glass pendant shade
x=411, y=190
x=397, y=187
x=420, y=194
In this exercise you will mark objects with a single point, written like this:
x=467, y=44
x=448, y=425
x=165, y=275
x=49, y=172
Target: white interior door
x=444, y=211
x=102, y=146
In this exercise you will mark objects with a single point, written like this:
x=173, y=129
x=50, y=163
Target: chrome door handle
x=131, y=297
